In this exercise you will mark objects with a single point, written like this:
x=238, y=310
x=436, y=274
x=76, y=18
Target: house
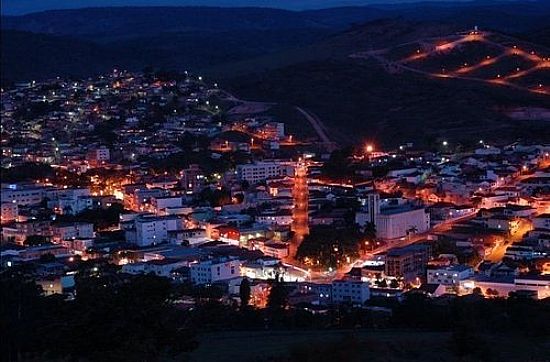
x=408, y=262
x=214, y=270
x=350, y=291
x=451, y=276
x=149, y=230
x=506, y=224
x=73, y=230
x=277, y=217
x=10, y=211
x=159, y=267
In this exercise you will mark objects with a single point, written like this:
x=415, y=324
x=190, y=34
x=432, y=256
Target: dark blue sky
x=16, y=7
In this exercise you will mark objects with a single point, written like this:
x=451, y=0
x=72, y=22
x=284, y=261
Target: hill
x=223, y=40
x=476, y=55
x=31, y=56
x=361, y=98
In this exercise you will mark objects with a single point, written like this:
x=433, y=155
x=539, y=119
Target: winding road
x=319, y=127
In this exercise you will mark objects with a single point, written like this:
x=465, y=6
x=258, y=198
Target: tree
x=278, y=296
x=34, y=240
x=47, y=258
x=382, y=283
x=244, y=292
x=370, y=231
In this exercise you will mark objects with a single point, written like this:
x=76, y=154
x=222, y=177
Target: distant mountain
x=17, y=7
x=106, y=24
x=222, y=40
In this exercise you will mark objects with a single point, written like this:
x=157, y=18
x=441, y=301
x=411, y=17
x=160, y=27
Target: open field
x=361, y=345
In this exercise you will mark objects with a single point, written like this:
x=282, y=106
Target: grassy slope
x=358, y=100
x=360, y=345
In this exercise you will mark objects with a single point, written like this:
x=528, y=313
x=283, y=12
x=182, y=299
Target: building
x=278, y=217
x=160, y=205
x=151, y=230
x=506, y=224
x=542, y=222
x=34, y=253
x=449, y=276
x=210, y=271
x=392, y=219
x=10, y=212
x=192, y=179
x=159, y=267
x=398, y=222
x=18, y=232
x=350, y=291
x=408, y=262
x=261, y=171
x=75, y=230
x=539, y=285
x=22, y=196
x=98, y=156
x=524, y=251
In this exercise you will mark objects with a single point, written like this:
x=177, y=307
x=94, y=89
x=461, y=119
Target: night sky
x=16, y=7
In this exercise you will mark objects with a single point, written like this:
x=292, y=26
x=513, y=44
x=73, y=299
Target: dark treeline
x=116, y=317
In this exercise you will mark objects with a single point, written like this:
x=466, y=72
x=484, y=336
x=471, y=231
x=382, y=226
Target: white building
x=501, y=287
x=261, y=171
x=398, y=222
x=392, y=220
x=161, y=267
x=279, y=217
x=210, y=271
x=350, y=291
x=22, y=196
x=75, y=230
x=450, y=276
x=10, y=212
x=67, y=205
x=154, y=230
x=160, y=205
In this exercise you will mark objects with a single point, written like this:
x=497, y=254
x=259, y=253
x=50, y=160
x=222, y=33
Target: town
x=158, y=175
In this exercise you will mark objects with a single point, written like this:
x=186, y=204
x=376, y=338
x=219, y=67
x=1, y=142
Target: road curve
x=319, y=128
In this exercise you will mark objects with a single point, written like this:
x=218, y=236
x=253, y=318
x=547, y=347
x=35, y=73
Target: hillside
x=27, y=55
x=220, y=41
x=362, y=98
x=372, y=35
x=107, y=24
x=481, y=56
x=31, y=56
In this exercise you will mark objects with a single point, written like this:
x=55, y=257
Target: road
x=319, y=128
x=300, y=217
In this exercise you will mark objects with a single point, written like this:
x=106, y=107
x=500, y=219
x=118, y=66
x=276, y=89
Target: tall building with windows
x=261, y=171
x=408, y=262
x=210, y=271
